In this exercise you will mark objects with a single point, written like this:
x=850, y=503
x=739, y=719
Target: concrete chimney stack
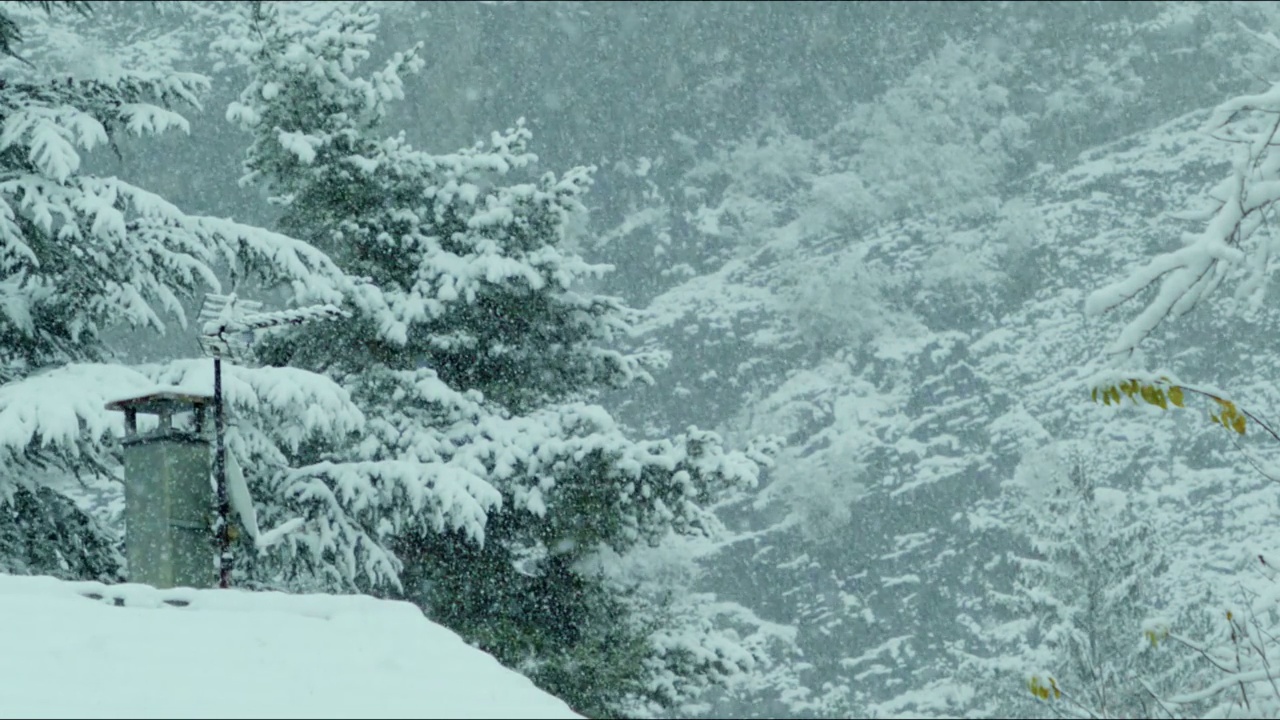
x=167, y=490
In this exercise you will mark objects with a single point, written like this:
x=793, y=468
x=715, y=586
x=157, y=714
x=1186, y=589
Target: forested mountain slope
x=913, y=366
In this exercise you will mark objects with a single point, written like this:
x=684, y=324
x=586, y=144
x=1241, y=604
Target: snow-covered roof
x=84, y=649
x=161, y=399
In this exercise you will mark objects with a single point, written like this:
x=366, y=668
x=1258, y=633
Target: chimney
x=168, y=496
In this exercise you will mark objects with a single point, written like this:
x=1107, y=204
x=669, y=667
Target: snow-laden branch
x=64, y=408
x=1241, y=202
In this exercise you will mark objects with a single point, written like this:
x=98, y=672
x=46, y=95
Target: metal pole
x=222, y=314
x=222, y=526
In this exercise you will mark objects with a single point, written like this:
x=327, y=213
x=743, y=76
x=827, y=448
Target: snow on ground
x=135, y=651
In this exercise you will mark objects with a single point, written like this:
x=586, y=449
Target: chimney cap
x=162, y=402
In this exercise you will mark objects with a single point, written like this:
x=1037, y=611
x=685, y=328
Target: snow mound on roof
x=84, y=649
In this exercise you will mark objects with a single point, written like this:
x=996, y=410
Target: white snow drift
x=84, y=649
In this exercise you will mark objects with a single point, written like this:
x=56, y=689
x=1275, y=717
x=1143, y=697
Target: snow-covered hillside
x=912, y=367
x=135, y=651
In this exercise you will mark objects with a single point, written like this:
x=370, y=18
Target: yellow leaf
x=1042, y=691
x=1238, y=424
x=1094, y=394
x=1228, y=616
x=1148, y=394
x=1160, y=399
x=1175, y=396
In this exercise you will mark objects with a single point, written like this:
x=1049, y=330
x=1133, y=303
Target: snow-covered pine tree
x=486, y=488
x=1069, y=629
x=80, y=254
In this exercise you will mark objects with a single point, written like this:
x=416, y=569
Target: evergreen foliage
x=1084, y=585
x=11, y=31
x=81, y=254
x=484, y=485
